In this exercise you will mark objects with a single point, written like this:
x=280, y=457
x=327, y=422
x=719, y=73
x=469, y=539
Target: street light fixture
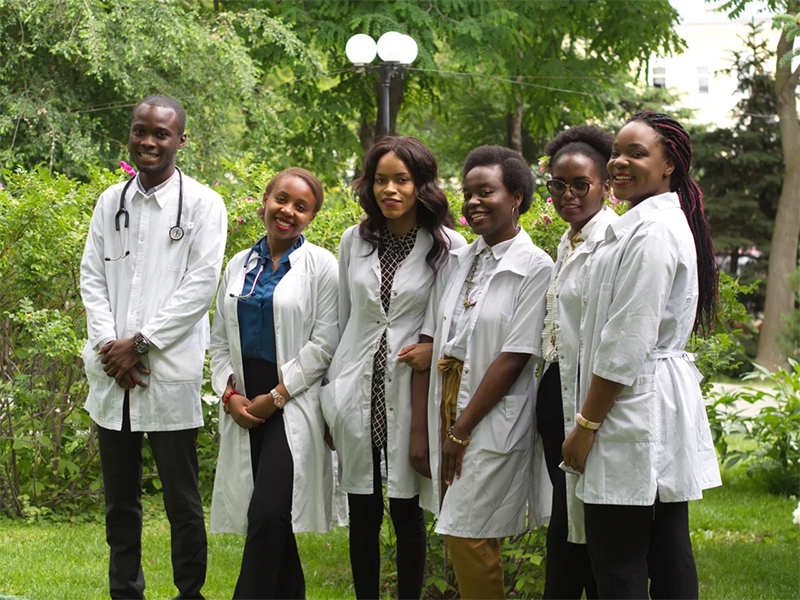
x=396, y=51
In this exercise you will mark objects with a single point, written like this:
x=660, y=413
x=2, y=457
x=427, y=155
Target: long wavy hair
x=433, y=211
x=677, y=146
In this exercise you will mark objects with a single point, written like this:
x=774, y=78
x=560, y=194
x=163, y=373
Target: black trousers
x=175, y=453
x=271, y=566
x=568, y=569
x=628, y=544
x=366, y=516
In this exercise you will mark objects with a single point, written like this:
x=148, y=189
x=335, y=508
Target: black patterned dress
x=392, y=250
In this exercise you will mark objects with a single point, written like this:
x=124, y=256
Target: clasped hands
x=121, y=362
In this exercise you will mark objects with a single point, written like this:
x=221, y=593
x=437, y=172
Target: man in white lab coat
x=148, y=276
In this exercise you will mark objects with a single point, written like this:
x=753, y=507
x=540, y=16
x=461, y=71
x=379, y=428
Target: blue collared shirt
x=256, y=318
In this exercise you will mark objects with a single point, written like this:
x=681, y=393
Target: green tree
x=740, y=168
x=496, y=71
x=73, y=69
x=786, y=233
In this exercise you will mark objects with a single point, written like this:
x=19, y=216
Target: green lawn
x=58, y=561
x=745, y=543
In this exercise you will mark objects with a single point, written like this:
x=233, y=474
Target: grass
x=745, y=544
x=50, y=560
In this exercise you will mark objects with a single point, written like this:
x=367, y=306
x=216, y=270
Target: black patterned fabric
x=392, y=250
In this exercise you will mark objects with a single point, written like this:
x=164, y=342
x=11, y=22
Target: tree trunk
x=783, y=251
x=734, y=263
x=514, y=120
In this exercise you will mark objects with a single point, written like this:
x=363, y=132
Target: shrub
x=775, y=428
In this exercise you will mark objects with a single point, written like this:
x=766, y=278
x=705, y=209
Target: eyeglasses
x=578, y=188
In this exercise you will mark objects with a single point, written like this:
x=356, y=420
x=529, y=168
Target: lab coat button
x=444, y=318
x=466, y=370
x=565, y=388
x=365, y=406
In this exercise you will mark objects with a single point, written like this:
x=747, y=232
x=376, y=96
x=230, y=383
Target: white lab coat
x=640, y=294
x=163, y=289
x=347, y=400
x=306, y=334
x=497, y=479
x=568, y=306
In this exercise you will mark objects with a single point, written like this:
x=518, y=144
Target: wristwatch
x=277, y=398
x=140, y=343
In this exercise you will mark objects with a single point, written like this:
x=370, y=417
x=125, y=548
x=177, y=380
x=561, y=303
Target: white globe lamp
x=408, y=50
x=360, y=49
x=390, y=47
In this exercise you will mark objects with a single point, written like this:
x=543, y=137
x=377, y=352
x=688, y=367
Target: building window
x=659, y=77
x=702, y=79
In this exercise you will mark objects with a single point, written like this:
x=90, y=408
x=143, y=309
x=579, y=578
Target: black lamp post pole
x=387, y=70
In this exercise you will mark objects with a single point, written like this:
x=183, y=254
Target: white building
x=710, y=38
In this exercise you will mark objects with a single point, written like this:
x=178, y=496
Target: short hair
x=517, y=175
x=165, y=102
x=586, y=140
x=307, y=176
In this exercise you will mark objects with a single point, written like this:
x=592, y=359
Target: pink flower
x=240, y=219
x=127, y=168
x=463, y=221
x=614, y=200
x=542, y=169
x=546, y=218
x=1, y=186
x=549, y=200
x=216, y=182
x=249, y=199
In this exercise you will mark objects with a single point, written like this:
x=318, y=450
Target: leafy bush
x=789, y=337
x=775, y=428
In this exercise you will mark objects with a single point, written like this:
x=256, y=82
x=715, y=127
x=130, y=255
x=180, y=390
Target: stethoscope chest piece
x=176, y=233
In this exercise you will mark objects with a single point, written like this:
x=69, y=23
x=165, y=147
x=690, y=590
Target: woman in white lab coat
x=275, y=331
x=642, y=440
x=579, y=186
x=486, y=321
x=387, y=266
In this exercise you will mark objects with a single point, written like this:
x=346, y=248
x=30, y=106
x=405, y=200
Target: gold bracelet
x=586, y=423
x=456, y=440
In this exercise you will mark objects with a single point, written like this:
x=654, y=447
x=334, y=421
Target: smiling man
x=148, y=276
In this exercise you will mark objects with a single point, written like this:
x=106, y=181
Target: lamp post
x=396, y=52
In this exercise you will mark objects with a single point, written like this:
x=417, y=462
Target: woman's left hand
x=417, y=356
x=576, y=447
x=263, y=406
x=452, y=459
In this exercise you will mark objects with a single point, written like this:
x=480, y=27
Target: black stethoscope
x=175, y=232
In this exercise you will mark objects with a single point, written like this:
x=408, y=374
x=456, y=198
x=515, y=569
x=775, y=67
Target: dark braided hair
x=591, y=142
x=678, y=147
x=433, y=210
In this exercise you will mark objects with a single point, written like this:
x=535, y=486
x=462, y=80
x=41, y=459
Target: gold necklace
x=467, y=303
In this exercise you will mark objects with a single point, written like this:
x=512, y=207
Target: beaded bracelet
x=456, y=440
x=227, y=398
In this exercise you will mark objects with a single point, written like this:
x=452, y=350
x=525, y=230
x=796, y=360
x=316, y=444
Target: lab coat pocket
x=92, y=363
x=177, y=256
x=632, y=417
x=512, y=405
